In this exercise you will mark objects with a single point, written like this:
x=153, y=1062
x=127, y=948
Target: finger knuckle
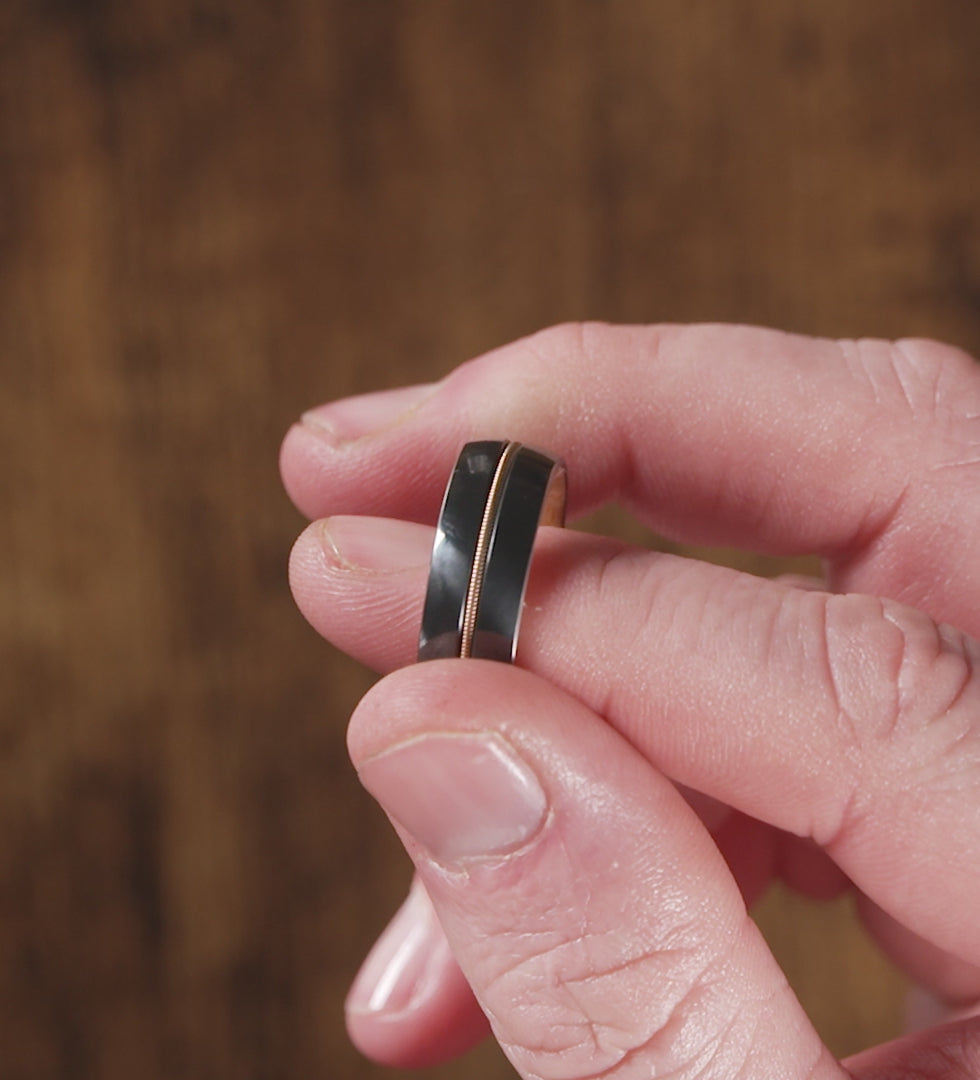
x=564, y=340
x=906, y=696
x=922, y=381
x=571, y=1009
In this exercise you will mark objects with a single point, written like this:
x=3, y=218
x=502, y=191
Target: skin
x=676, y=735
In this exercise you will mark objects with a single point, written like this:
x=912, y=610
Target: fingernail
x=461, y=796
x=353, y=417
x=375, y=544
x=400, y=967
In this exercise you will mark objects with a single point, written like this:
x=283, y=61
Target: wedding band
x=498, y=494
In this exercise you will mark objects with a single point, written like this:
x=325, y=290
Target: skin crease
x=835, y=735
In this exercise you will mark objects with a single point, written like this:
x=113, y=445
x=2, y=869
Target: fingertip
x=349, y=455
x=360, y=583
x=410, y=1006
x=306, y=568
x=301, y=465
x=422, y=1037
x=408, y=701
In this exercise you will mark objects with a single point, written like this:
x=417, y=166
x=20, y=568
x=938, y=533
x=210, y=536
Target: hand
x=833, y=735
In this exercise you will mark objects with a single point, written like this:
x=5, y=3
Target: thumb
x=587, y=906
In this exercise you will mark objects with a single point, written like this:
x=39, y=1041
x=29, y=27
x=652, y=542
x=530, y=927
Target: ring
x=498, y=494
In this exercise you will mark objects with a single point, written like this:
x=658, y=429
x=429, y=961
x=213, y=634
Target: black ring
x=497, y=496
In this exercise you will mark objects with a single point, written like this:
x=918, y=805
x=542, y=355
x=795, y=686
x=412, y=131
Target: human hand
x=600, y=922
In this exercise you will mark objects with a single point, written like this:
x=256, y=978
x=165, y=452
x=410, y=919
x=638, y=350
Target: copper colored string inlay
x=478, y=569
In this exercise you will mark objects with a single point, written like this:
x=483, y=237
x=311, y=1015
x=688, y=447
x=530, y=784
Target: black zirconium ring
x=497, y=496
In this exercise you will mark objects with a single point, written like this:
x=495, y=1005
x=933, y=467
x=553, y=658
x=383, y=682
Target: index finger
x=863, y=452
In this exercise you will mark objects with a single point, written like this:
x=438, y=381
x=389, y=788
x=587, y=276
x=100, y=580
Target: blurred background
x=217, y=213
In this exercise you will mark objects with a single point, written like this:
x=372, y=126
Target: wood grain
x=214, y=214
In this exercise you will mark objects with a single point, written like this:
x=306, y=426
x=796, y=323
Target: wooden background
x=215, y=213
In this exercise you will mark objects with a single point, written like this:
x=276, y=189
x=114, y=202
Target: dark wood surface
x=214, y=214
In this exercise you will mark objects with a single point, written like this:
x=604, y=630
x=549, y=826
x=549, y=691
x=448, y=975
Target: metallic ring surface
x=498, y=494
